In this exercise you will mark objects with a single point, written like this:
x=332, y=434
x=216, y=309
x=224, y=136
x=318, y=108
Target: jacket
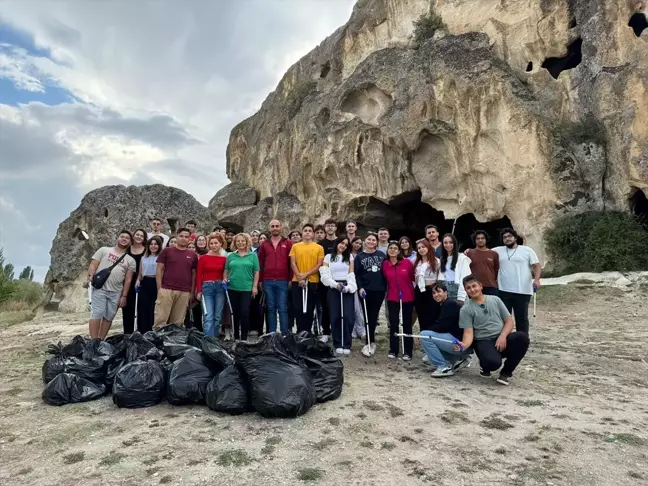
x=423, y=272
x=399, y=280
x=274, y=263
x=329, y=281
x=462, y=270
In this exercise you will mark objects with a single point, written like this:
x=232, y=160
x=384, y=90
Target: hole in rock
x=529, y=67
x=639, y=204
x=407, y=215
x=173, y=225
x=369, y=103
x=81, y=235
x=326, y=68
x=639, y=23
x=574, y=56
x=105, y=213
x=572, y=23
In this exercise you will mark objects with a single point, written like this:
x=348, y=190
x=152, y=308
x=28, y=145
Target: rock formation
x=100, y=216
x=519, y=110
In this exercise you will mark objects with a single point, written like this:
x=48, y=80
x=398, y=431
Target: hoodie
x=399, y=279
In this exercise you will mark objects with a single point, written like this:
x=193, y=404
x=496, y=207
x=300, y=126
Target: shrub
x=426, y=25
x=597, y=242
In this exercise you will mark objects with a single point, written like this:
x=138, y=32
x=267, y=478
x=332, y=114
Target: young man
x=191, y=226
x=383, y=240
x=254, y=236
x=176, y=279
x=112, y=296
x=487, y=327
x=351, y=228
x=484, y=263
x=514, y=278
x=432, y=235
x=320, y=234
x=328, y=243
x=157, y=228
x=306, y=258
x=229, y=237
x=440, y=351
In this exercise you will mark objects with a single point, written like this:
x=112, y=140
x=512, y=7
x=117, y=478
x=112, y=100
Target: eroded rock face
x=470, y=120
x=101, y=215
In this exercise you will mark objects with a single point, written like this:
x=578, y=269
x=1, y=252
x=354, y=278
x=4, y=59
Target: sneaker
x=339, y=351
x=407, y=358
x=324, y=338
x=347, y=352
x=425, y=358
x=503, y=379
x=228, y=335
x=391, y=356
x=373, y=349
x=366, y=350
x=441, y=372
x=354, y=335
x=253, y=334
x=461, y=364
x=484, y=374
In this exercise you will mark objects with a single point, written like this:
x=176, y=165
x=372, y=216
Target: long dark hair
x=202, y=251
x=444, y=253
x=160, y=243
x=430, y=254
x=411, y=249
x=346, y=255
x=143, y=232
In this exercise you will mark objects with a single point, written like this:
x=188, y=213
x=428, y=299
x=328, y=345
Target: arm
x=419, y=278
x=466, y=323
x=507, y=329
x=92, y=269
x=140, y=273
x=159, y=271
x=193, y=282
x=261, y=258
x=127, y=286
x=199, y=277
x=468, y=338
x=226, y=270
x=325, y=275
x=537, y=271
x=464, y=272
x=255, y=284
x=315, y=269
x=351, y=285
x=293, y=265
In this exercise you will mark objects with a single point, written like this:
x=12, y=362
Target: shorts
x=104, y=304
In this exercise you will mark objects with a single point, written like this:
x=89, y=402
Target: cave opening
x=326, y=68
x=639, y=205
x=105, y=213
x=572, y=23
x=574, y=56
x=407, y=215
x=639, y=23
x=529, y=67
x=173, y=225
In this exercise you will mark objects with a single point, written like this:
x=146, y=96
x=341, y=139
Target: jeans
x=341, y=328
x=304, y=319
x=394, y=316
x=213, y=300
x=453, y=290
x=517, y=305
x=276, y=293
x=490, y=359
x=441, y=354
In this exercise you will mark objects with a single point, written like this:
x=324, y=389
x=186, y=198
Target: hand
x=459, y=346
x=340, y=287
x=536, y=283
x=301, y=276
x=260, y=284
x=500, y=344
x=302, y=282
x=122, y=302
x=198, y=295
x=255, y=291
x=362, y=293
x=460, y=303
x=137, y=287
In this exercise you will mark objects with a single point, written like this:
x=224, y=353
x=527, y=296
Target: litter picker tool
x=304, y=298
x=229, y=304
x=364, y=303
x=137, y=288
x=455, y=341
x=340, y=287
x=318, y=327
x=535, y=295
x=400, y=322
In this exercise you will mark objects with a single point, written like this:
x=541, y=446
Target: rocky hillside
x=522, y=109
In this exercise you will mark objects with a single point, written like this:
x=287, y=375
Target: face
x=275, y=227
x=263, y=238
x=139, y=237
x=255, y=238
x=371, y=242
x=320, y=235
x=448, y=245
x=214, y=245
x=404, y=244
x=191, y=227
x=307, y=233
x=422, y=249
x=432, y=234
x=295, y=237
x=439, y=295
x=351, y=228
x=124, y=240
x=383, y=235
x=357, y=245
x=392, y=251
x=240, y=243
x=480, y=240
x=330, y=229
x=473, y=289
x=229, y=236
x=191, y=247
x=182, y=239
x=173, y=242
x=343, y=245
x=156, y=224
x=223, y=233
x=154, y=248
x=201, y=242
x=509, y=239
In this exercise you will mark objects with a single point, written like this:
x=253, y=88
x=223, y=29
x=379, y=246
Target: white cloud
x=16, y=66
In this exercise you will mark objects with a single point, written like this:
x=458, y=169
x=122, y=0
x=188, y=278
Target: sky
x=122, y=92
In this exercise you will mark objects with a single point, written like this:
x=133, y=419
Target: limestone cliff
x=521, y=108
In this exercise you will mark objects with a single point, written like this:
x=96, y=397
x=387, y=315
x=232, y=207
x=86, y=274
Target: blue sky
x=96, y=93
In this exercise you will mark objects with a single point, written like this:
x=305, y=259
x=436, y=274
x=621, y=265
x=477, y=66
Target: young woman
x=147, y=285
x=337, y=274
x=359, y=329
x=454, y=267
x=172, y=242
x=405, y=245
x=262, y=237
x=399, y=275
x=356, y=246
x=201, y=245
x=242, y=277
x=136, y=250
x=367, y=267
x=191, y=246
x=426, y=270
x=295, y=236
x=209, y=283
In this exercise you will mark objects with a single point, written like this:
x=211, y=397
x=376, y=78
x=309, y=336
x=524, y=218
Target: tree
x=26, y=274
x=8, y=271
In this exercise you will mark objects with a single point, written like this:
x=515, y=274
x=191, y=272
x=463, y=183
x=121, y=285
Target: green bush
x=17, y=291
x=597, y=242
x=426, y=25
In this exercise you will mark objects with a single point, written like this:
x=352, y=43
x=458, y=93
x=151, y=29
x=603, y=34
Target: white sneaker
x=228, y=335
x=425, y=358
x=324, y=338
x=406, y=358
x=373, y=349
x=366, y=351
x=339, y=351
x=354, y=335
x=391, y=356
x=347, y=352
x=441, y=372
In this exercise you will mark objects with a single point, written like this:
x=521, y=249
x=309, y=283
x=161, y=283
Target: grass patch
x=74, y=457
x=394, y=411
x=584, y=281
x=112, y=459
x=152, y=470
x=454, y=417
x=11, y=318
x=362, y=415
x=532, y=438
x=426, y=25
x=406, y=438
x=150, y=460
x=310, y=474
x=234, y=457
x=373, y=406
x=530, y=403
x=626, y=438
x=494, y=422
x=501, y=451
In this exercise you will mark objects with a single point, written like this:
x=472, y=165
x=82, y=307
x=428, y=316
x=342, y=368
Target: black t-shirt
x=327, y=245
x=448, y=320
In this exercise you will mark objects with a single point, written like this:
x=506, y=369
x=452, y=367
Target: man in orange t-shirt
x=306, y=257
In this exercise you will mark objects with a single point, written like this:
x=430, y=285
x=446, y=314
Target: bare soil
x=576, y=413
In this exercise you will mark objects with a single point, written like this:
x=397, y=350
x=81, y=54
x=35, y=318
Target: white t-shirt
x=165, y=238
x=339, y=269
x=515, y=269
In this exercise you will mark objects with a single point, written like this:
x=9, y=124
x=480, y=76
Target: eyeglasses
x=483, y=306
x=393, y=241
x=506, y=237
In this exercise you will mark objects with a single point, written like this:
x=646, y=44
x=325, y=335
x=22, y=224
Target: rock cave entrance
x=407, y=215
x=173, y=225
x=639, y=205
x=574, y=56
x=639, y=23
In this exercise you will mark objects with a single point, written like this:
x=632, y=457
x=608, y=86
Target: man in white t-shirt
x=156, y=225
x=515, y=279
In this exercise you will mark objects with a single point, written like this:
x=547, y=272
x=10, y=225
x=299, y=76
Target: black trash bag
x=279, y=385
x=217, y=353
x=195, y=338
x=328, y=377
x=76, y=346
x=175, y=351
x=98, y=349
x=69, y=388
x=309, y=346
x=227, y=393
x=174, y=333
x=268, y=344
x=139, y=384
x=93, y=370
x=155, y=338
x=55, y=365
x=118, y=343
x=166, y=366
x=111, y=372
x=139, y=348
x=189, y=378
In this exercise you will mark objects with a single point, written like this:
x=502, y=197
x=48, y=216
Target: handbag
x=100, y=277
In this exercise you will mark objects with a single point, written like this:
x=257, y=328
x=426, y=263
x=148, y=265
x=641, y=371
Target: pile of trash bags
x=278, y=376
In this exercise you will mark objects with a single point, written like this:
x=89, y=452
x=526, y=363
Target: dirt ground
x=575, y=414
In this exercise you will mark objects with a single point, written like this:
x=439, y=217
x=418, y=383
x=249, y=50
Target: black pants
x=426, y=308
x=341, y=328
x=304, y=321
x=394, y=316
x=128, y=311
x=490, y=359
x=194, y=316
x=257, y=314
x=241, y=310
x=322, y=294
x=374, y=300
x=146, y=304
x=518, y=305
x=490, y=291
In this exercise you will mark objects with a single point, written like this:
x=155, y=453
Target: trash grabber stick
x=400, y=321
x=304, y=298
x=364, y=302
x=229, y=304
x=342, y=318
x=535, y=295
x=137, y=300
x=456, y=342
x=90, y=294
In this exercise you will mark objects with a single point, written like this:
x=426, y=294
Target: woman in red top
x=399, y=275
x=209, y=283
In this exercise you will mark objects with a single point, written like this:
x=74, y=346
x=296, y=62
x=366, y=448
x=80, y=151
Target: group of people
x=328, y=284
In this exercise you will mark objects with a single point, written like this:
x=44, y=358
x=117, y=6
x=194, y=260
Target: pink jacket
x=399, y=279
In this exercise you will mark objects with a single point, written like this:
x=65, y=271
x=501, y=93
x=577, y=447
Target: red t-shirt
x=178, y=266
x=210, y=267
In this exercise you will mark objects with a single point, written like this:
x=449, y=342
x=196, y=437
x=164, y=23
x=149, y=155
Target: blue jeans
x=213, y=300
x=276, y=293
x=441, y=354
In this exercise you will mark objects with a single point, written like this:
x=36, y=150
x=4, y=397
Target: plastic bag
x=309, y=346
x=56, y=364
x=328, y=377
x=139, y=348
x=93, y=370
x=155, y=338
x=69, y=388
x=175, y=351
x=118, y=343
x=76, y=346
x=217, y=353
x=97, y=349
x=195, y=338
x=272, y=343
x=279, y=386
x=174, y=333
x=188, y=379
x=111, y=372
x=139, y=384
x=227, y=393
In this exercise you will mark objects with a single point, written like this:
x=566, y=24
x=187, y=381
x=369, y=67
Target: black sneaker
x=462, y=363
x=503, y=379
x=484, y=374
